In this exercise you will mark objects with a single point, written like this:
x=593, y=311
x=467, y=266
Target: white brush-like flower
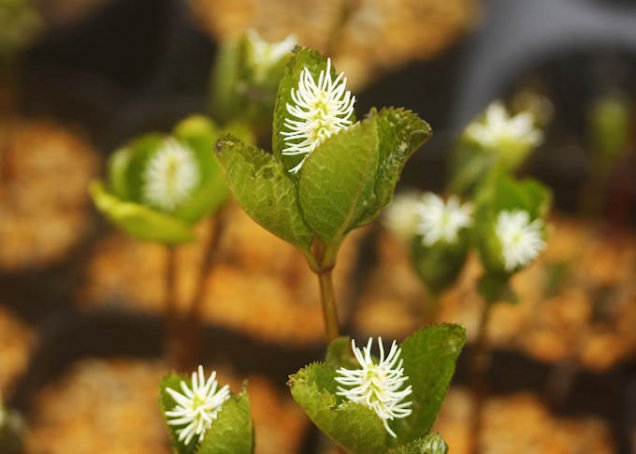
x=442, y=221
x=170, y=176
x=263, y=55
x=319, y=110
x=498, y=128
x=197, y=406
x=521, y=240
x=377, y=385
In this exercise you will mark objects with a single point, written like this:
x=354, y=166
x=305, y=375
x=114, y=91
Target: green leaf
x=167, y=403
x=439, y=265
x=260, y=184
x=429, y=358
x=400, y=134
x=139, y=221
x=494, y=287
x=141, y=150
x=200, y=135
x=337, y=179
x=117, y=171
x=352, y=426
x=433, y=443
x=232, y=431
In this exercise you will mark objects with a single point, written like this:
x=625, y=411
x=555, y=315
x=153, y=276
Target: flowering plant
x=204, y=417
x=327, y=174
x=159, y=186
x=384, y=404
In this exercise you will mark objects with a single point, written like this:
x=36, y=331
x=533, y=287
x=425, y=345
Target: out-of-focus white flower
x=521, y=240
x=319, y=110
x=170, y=176
x=402, y=216
x=497, y=128
x=378, y=386
x=440, y=221
x=197, y=406
x=263, y=55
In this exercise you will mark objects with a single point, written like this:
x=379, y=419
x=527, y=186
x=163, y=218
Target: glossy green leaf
x=260, y=184
x=139, y=221
x=232, y=432
x=352, y=426
x=337, y=181
x=400, y=134
x=433, y=443
x=429, y=358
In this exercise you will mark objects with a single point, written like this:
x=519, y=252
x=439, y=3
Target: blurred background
x=80, y=303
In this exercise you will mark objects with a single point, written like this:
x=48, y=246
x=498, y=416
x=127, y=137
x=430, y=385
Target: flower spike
x=378, y=386
x=442, y=221
x=319, y=110
x=197, y=406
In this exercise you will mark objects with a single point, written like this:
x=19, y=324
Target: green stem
x=480, y=363
x=328, y=298
x=171, y=333
x=431, y=308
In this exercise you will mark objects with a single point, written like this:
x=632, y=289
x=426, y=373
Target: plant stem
x=431, y=308
x=171, y=327
x=328, y=298
x=191, y=335
x=480, y=363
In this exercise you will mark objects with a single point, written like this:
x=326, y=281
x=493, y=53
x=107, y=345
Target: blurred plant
x=495, y=140
x=610, y=120
x=20, y=22
x=328, y=174
x=388, y=404
x=438, y=234
x=158, y=188
x=509, y=234
x=11, y=431
x=245, y=79
x=205, y=418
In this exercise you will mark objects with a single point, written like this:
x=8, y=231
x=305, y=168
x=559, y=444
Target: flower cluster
x=197, y=406
x=521, y=240
x=442, y=221
x=377, y=385
x=263, y=55
x=498, y=128
x=319, y=110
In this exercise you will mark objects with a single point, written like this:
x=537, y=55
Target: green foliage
x=231, y=432
x=20, y=23
x=429, y=358
x=260, y=184
x=343, y=184
x=433, y=443
x=439, y=265
x=122, y=200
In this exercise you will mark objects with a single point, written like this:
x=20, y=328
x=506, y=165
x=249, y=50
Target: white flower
x=521, y=240
x=377, y=386
x=499, y=128
x=262, y=55
x=439, y=221
x=197, y=407
x=170, y=176
x=402, y=216
x=319, y=110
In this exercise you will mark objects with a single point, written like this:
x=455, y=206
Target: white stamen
x=197, y=406
x=378, y=386
x=170, y=176
x=319, y=110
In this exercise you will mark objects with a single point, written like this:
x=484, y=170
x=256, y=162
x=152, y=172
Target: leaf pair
x=343, y=183
x=429, y=358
